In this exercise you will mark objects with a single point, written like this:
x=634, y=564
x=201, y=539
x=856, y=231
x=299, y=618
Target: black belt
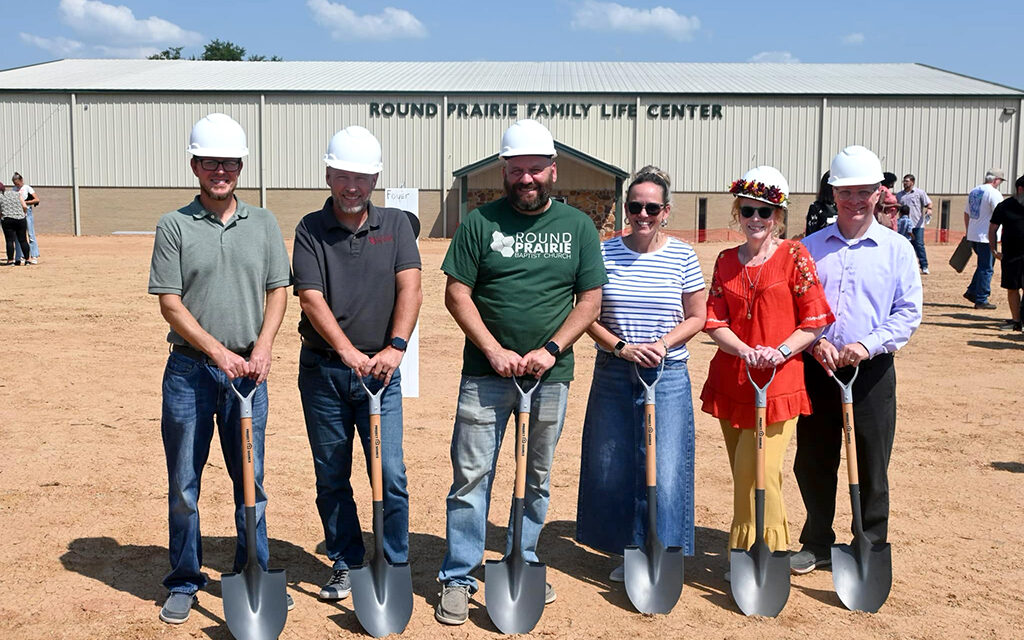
x=198, y=355
x=329, y=354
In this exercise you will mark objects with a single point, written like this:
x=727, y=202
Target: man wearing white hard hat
x=357, y=275
x=524, y=282
x=871, y=279
x=220, y=268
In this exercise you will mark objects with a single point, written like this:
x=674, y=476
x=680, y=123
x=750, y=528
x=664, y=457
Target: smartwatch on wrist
x=619, y=346
x=399, y=343
x=785, y=351
x=552, y=348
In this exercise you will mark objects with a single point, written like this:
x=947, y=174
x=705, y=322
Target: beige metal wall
x=947, y=143
x=139, y=140
x=34, y=137
x=298, y=128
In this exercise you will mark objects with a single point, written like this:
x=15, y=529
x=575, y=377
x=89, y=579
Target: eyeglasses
x=652, y=208
x=212, y=164
x=764, y=212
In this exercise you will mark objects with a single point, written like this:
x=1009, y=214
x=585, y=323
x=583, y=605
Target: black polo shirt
x=354, y=270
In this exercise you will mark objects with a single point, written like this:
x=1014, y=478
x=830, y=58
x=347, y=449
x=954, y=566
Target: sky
x=944, y=34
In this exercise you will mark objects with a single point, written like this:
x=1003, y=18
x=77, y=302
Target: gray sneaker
x=288, y=599
x=177, y=607
x=454, y=605
x=806, y=561
x=618, y=574
x=549, y=593
x=338, y=587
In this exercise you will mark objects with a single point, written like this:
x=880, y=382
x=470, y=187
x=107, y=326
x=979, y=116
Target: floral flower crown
x=758, y=190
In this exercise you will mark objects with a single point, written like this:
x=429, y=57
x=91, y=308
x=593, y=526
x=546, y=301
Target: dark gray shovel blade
x=382, y=597
x=862, y=574
x=255, y=603
x=514, y=593
x=653, y=576
x=759, y=580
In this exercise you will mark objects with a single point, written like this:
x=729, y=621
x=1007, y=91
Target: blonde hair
x=779, y=216
x=651, y=173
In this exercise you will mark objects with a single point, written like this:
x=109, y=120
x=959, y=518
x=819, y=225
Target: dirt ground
x=83, y=481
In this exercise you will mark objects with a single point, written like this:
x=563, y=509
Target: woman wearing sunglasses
x=765, y=306
x=652, y=305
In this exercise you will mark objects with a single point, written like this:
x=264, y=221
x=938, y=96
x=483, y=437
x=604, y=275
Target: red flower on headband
x=757, y=190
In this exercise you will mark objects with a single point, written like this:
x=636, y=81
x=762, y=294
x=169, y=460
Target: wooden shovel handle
x=522, y=445
x=248, y=465
x=652, y=445
x=375, y=463
x=759, y=435
x=851, y=443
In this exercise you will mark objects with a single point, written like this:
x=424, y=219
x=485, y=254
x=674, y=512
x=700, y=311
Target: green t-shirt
x=221, y=271
x=524, y=271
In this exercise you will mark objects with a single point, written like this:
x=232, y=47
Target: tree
x=218, y=50
x=170, y=53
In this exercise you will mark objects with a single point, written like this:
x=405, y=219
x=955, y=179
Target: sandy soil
x=83, y=489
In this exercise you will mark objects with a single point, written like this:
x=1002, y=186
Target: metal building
x=104, y=140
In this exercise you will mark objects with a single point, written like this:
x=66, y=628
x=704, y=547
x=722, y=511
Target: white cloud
x=345, y=24
x=108, y=23
x=60, y=47
x=611, y=16
x=853, y=38
x=774, y=56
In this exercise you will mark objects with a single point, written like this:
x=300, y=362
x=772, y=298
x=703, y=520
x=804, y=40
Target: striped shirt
x=643, y=299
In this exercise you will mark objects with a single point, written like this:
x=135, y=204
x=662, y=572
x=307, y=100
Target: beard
x=525, y=200
x=216, y=196
x=352, y=209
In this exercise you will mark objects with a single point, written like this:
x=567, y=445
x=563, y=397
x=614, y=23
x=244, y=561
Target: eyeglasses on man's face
x=212, y=164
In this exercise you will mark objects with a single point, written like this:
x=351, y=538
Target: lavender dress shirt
x=872, y=284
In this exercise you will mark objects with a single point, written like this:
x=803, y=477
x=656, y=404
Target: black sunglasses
x=764, y=212
x=652, y=208
x=211, y=164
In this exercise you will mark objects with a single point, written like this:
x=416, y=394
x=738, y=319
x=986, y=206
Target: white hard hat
x=217, y=136
x=763, y=183
x=527, y=138
x=354, y=149
x=855, y=165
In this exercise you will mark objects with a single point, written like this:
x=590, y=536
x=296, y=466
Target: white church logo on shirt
x=533, y=245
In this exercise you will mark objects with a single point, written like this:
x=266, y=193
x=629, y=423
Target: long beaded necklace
x=752, y=283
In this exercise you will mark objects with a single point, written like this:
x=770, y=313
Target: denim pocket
x=309, y=359
x=181, y=365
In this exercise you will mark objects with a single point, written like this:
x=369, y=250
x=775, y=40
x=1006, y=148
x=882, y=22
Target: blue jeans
x=981, y=283
x=485, y=404
x=33, y=247
x=612, y=506
x=336, y=407
x=917, y=239
x=194, y=395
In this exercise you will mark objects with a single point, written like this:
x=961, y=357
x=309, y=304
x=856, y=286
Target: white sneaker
x=618, y=574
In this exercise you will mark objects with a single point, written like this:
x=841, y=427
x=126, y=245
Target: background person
x=765, y=305
x=514, y=300
x=874, y=290
x=220, y=269
x=1009, y=216
x=28, y=194
x=822, y=211
x=12, y=218
x=357, y=275
x=653, y=304
x=887, y=210
x=920, y=206
x=981, y=202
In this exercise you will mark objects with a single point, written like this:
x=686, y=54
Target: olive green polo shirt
x=222, y=271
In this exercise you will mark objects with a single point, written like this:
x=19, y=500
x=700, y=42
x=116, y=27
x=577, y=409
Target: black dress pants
x=819, y=439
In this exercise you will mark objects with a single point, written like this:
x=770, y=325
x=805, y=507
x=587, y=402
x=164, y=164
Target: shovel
x=861, y=571
x=381, y=591
x=513, y=587
x=653, y=574
x=760, y=578
x=255, y=600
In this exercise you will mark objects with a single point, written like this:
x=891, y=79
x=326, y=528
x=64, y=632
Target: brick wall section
x=599, y=205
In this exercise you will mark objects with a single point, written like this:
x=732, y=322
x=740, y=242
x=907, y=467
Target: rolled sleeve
x=165, y=265
x=307, y=267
